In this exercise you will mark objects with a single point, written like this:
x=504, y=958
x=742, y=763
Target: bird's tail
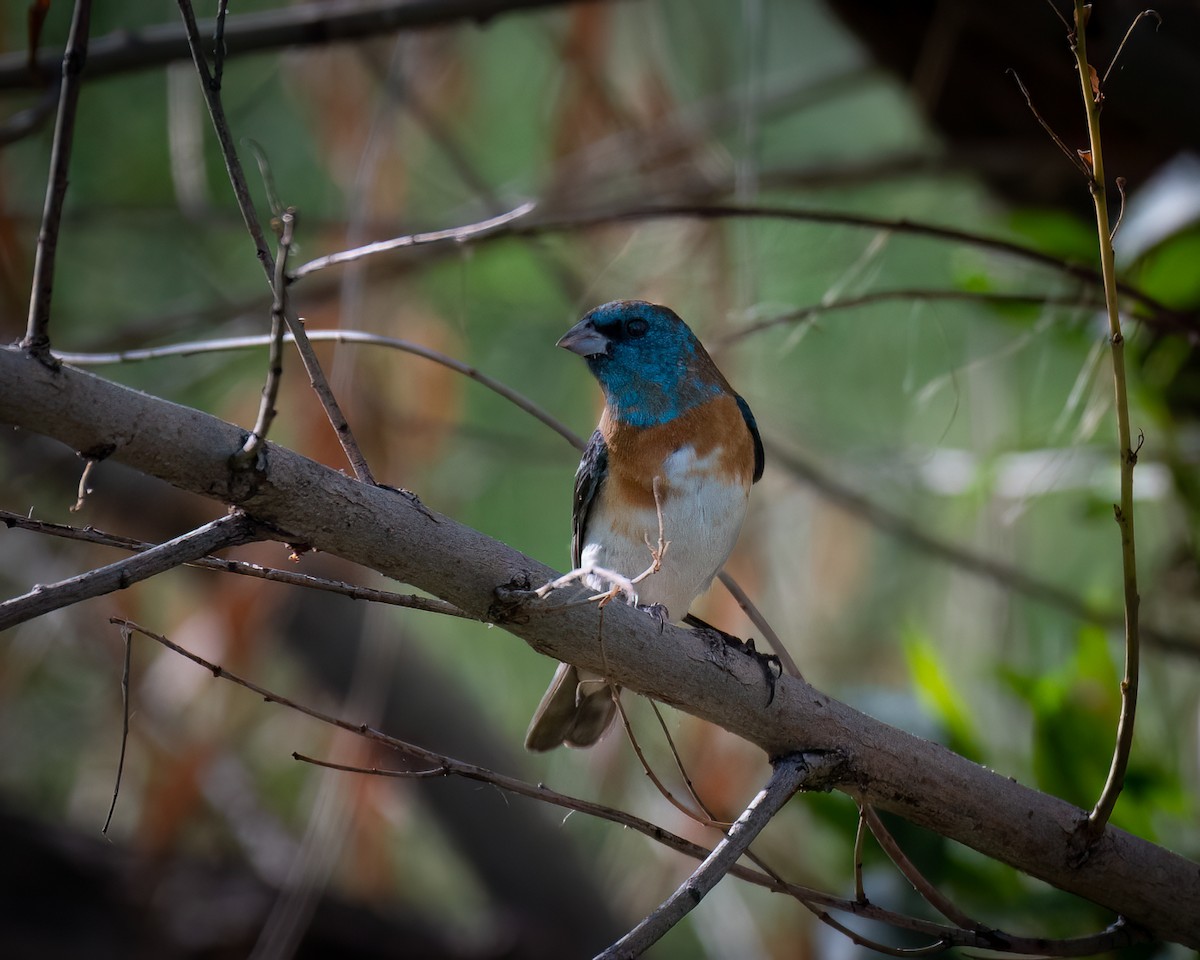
x=576, y=710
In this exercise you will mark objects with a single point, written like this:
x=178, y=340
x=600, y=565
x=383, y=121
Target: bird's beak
x=585, y=340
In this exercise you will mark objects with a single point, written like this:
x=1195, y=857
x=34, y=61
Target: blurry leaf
x=1074, y=719
x=938, y=695
x=1057, y=232
x=1168, y=272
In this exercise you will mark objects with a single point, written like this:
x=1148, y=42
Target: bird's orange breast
x=716, y=431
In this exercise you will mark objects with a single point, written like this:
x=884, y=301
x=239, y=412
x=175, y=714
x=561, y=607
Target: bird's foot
x=657, y=611
x=592, y=576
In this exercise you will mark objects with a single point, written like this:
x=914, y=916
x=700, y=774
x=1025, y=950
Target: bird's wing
x=760, y=458
x=593, y=468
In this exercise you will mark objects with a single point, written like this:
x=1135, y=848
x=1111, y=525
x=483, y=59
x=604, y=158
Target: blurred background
x=933, y=537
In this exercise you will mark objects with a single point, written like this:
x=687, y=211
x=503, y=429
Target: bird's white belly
x=702, y=515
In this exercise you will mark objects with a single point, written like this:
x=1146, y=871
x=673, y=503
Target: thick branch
x=887, y=768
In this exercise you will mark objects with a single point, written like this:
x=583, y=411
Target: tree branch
x=240, y=567
x=296, y=26
x=227, y=531
x=887, y=768
x=791, y=773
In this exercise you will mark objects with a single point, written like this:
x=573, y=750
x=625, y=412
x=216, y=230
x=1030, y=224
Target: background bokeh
x=947, y=415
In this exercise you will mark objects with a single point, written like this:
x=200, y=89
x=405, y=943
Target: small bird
x=674, y=437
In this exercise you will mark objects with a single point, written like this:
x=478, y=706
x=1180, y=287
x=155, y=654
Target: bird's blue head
x=648, y=362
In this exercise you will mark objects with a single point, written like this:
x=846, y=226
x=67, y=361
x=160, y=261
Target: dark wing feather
x=760, y=458
x=593, y=468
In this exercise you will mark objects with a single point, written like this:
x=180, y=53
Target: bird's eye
x=636, y=328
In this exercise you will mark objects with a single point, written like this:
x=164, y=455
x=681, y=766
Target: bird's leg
x=656, y=553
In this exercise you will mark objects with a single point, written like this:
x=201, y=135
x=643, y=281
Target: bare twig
x=860, y=893
x=791, y=773
x=229, y=530
x=453, y=235
x=337, y=336
x=1125, y=39
x=248, y=455
x=702, y=211
x=37, y=333
x=212, y=96
x=704, y=818
x=803, y=314
x=127, y=637
x=240, y=567
x=1112, y=234
x=219, y=42
x=241, y=191
x=934, y=897
x=1072, y=155
x=1123, y=511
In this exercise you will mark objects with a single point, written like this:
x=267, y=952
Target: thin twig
x=709, y=820
x=860, y=893
x=803, y=314
x=1125, y=39
x=241, y=567
x=337, y=336
x=229, y=530
x=790, y=774
x=241, y=192
x=127, y=637
x=933, y=896
x=654, y=778
x=1070, y=154
x=1127, y=455
x=248, y=455
x=453, y=235
x=37, y=333
x=219, y=42
x=1112, y=234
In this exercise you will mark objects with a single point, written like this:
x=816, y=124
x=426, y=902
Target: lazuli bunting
x=673, y=437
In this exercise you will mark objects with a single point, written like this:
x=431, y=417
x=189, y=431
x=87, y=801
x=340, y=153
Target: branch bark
x=885, y=767
x=303, y=25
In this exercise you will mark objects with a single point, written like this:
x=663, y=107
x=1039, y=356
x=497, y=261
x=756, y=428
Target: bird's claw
x=657, y=611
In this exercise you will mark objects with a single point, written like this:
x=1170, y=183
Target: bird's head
x=648, y=362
